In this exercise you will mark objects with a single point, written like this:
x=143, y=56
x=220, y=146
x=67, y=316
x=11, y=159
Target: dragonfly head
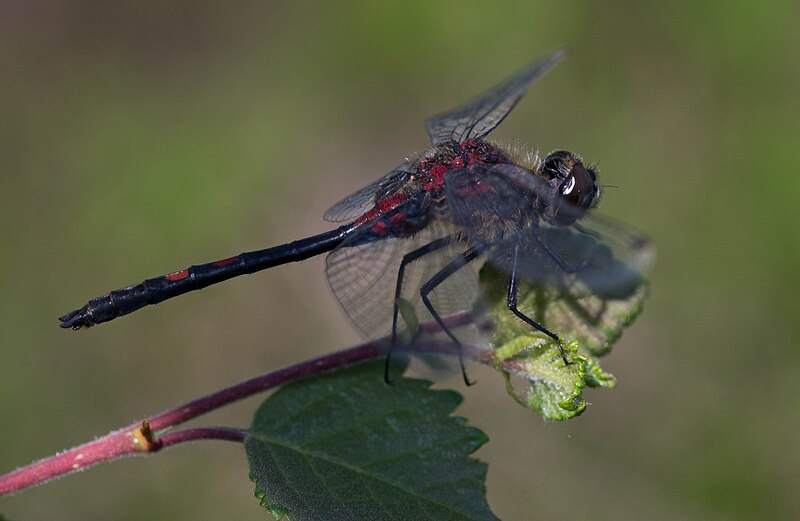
x=575, y=187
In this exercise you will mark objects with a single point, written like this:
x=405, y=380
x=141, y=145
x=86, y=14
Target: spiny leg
x=586, y=231
x=511, y=301
x=407, y=259
x=442, y=275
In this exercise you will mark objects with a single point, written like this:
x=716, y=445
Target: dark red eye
x=578, y=188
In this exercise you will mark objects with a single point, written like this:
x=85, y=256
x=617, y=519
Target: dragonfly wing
x=363, y=277
x=594, y=300
x=595, y=256
x=357, y=204
x=619, y=258
x=480, y=116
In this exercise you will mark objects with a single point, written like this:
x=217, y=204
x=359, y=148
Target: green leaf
x=588, y=311
x=409, y=316
x=347, y=446
x=537, y=377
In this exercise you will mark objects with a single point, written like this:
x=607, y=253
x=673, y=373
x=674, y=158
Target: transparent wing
x=363, y=278
x=592, y=304
x=595, y=256
x=621, y=256
x=363, y=200
x=479, y=117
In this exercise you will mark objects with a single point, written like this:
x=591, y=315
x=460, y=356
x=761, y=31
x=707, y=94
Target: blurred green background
x=139, y=137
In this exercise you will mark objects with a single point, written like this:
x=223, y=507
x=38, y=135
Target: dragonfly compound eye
x=575, y=188
x=579, y=189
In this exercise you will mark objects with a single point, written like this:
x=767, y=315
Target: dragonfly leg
x=511, y=301
x=586, y=231
x=407, y=259
x=442, y=275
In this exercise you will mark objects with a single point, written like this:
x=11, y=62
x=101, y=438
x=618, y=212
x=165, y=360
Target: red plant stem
x=200, y=433
x=140, y=438
x=266, y=381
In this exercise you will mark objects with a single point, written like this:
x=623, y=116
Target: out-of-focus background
x=137, y=138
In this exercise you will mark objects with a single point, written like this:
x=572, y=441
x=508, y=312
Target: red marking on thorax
x=225, y=262
x=470, y=143
x=436, y=177
x=430, y=174
x=178, y=275
x=474, y=189
x=448, y=157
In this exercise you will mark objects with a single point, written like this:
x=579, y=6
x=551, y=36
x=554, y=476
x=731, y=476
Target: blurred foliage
x=139, y=137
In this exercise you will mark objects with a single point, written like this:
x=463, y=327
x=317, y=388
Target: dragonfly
x=416, y=234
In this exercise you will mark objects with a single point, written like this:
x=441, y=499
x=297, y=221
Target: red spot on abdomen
x=178, y=275
x=381, y=207
x=390, y=203
x=370, y=215
x=225, y=262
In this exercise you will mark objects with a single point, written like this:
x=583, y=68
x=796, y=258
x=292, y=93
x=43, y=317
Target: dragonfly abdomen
x=158, y=289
